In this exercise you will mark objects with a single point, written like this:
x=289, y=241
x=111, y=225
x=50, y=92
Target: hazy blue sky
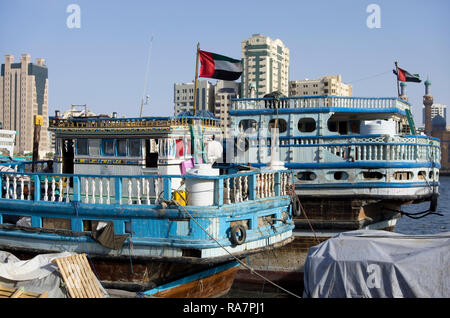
x=103, y=63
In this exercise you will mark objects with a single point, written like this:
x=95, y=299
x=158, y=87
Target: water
x=430, y=224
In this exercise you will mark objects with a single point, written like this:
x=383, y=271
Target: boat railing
x=373, y=147
x=320, y=102
x=126, y=123
x=137, y=190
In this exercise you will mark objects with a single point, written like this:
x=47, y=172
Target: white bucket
x=200, y=192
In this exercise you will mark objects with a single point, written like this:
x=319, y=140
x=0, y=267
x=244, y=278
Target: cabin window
x=340, y=175
x=248, y=124
x=281, y=125
x=343, y=128
x=82, y=147
x=121, y=147
x=306, y=176
x=372, y=175
x=94, y=147
x=56, y=223
x=403, y=175
x=108, y=147
x=332, y=126
x=134, y=147
x=307, y=125
x=354, y=126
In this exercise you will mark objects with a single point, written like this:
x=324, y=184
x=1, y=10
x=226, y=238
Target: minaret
x=403, y=91
x=427, y=102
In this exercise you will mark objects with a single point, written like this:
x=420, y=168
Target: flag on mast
x=405, y=76
x=219, y=66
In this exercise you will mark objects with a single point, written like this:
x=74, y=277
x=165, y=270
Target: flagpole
x=398, y=86
x=196, y=76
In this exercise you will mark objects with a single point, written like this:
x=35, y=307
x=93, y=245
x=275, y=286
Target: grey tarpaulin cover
x=374, y=263
x=36, y=275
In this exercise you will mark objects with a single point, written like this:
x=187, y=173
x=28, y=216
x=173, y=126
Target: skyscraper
x=23, y=94
x=265, y=66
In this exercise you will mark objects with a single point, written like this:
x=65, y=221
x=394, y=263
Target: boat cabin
x=127, y=146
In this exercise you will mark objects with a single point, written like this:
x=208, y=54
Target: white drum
x=200, y=192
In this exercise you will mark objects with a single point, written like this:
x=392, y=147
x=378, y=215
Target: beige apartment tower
x=183, y=97
x=325, y=85
x=265, y=67
x=224, y=92
x=23, y=94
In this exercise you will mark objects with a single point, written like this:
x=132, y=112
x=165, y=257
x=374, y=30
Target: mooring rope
x=294, y=197
x=223, y=247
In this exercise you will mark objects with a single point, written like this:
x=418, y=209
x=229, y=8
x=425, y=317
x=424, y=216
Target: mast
x=398, y=86
x=196, y=77
x=146, y=76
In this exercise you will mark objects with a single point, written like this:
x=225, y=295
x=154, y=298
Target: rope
x=294, y=197
x=234, y=257
x=369, y=77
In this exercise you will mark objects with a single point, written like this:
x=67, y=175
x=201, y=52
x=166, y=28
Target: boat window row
x=108, y=147
x=400, y=175
x=304, y=125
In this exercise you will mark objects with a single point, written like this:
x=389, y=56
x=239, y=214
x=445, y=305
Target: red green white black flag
x=405, y=76
x=219, y=66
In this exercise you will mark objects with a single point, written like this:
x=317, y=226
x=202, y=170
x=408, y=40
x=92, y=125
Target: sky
x=103, y=63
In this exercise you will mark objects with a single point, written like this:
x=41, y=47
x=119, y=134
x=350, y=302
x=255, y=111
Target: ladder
x=412, y=127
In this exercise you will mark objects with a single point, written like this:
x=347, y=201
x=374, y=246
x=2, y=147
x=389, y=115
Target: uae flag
x=405, y=76
x=219, y=67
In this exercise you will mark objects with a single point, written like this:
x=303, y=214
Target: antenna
x=146, y=77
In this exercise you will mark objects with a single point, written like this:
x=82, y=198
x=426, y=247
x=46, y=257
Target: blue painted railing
x=137, y=190
x=319, y=102
x=260, y=199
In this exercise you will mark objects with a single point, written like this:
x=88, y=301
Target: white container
x=378, y=127
x=200, y=192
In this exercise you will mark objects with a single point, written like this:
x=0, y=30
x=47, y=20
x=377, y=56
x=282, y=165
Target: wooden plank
x=85, y=271
x=18, y=293
x=91, y=276
x=83, y=277
x=79, y=278
x=63, y=271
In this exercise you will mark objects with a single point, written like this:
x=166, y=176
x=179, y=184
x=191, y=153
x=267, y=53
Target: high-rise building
x=24, y=94
x=225, y=91
x=325, y=85
x=265, y=66
x=183, y=96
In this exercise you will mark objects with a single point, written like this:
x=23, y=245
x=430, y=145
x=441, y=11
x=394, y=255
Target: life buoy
x=238, y=234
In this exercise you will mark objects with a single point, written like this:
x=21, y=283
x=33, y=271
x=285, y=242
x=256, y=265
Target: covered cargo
x=377, y=264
